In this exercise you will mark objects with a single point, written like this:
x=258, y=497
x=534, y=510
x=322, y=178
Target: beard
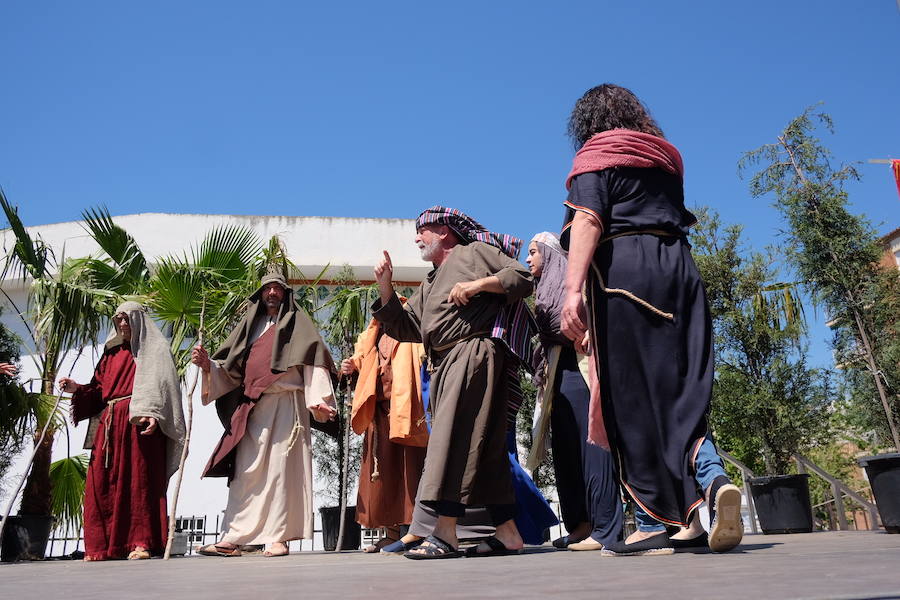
x=430, y=251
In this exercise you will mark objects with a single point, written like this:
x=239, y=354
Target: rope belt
x=107, y=422
x=623, y=292
x=448, y=345
x=298, y=423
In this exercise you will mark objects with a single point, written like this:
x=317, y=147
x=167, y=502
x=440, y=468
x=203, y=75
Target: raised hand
x=8, y=369
x=200, y=357
x=384, y=275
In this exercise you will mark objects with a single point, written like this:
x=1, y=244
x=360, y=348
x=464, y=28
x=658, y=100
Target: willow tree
x=836, y=254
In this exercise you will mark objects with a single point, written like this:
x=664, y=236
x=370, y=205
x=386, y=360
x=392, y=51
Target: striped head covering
x=468, y=229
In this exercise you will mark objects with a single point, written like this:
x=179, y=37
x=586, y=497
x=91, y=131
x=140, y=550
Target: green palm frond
x=349, y=315
x=42, y=409
x=16, y=408
x=219, y=274
x=227, y=251
x=120, y=246
x=68, y=477
x=67, y=311
x=28, y=257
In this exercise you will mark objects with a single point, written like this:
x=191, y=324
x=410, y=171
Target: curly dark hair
x=609, y=106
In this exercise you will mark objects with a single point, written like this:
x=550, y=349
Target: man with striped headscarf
x=469, y=316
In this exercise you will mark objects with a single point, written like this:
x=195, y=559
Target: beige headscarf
x=157, y=389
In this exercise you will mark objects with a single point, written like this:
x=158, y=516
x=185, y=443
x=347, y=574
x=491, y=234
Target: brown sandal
x=138, y=554
x=216, y=550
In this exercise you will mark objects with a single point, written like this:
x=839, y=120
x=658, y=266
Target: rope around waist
x=656, y=232
x=623, y=292
x=444, y=347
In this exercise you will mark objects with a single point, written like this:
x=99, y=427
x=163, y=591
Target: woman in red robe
x=125, y=493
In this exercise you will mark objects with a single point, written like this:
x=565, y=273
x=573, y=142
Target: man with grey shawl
x=137, y=433
x=266, y=379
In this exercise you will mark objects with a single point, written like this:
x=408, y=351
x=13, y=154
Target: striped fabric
x=468, y=229
x=515, y=327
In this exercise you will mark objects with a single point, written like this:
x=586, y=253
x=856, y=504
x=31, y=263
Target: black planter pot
x=883, y=472
x=782, y=503
x=25, y=538
x=331, y=525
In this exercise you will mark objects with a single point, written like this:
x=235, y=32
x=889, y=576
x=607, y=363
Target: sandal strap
x=440, y=544
x=495, y=544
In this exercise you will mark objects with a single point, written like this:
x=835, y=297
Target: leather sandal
x=433, y=548
x=216, y=550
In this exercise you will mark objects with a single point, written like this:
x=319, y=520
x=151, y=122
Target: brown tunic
x=390, y=472
x=466, y=460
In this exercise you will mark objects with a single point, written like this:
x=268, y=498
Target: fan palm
x=64, y=310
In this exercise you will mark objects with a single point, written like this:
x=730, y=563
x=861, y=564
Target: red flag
x=895, y=167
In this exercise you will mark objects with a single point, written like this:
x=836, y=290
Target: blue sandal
x=435, y=549
x=399, y=547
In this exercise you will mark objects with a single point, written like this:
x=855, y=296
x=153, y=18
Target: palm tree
x=70, y=300
x=64, y=311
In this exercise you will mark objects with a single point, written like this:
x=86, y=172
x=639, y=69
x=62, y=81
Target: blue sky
x=381, y=109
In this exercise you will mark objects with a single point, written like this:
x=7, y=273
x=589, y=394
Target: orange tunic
x=392, y=420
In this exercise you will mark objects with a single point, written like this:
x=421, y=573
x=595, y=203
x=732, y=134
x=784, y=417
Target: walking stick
x=345, y=466
x=187, y=441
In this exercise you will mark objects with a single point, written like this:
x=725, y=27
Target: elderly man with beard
x=457, y=314
x=266, y=379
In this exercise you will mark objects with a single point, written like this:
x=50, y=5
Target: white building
x=312, y=243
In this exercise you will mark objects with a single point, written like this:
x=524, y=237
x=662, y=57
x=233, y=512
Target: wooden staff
x=187, y=441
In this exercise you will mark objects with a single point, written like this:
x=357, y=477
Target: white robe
x=270, y=497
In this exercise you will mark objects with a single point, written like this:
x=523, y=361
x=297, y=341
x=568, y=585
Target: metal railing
x=838, y=490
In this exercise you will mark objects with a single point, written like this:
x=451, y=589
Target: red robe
x=125, y=494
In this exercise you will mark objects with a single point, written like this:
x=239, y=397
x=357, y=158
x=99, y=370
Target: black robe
x=656, y=372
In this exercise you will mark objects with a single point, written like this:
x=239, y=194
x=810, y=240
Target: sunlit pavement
x=815, y=565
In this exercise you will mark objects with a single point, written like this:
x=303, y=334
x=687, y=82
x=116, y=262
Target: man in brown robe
x=456, y=314
x=137, y=433
x=266, y=379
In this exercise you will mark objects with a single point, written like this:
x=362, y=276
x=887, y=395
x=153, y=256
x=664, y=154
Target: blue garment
x=708, y=465
x=533, y=513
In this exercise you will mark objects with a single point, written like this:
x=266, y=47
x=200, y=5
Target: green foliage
x=346, y=315
x=68, y=477
x=835, y=253
x=767, y=404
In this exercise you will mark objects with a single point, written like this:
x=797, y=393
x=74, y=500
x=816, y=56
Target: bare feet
x=409, y=538
x=691, y=531
x=637, y=536
x=508, y=534
x=139, y=553
x=276, y=549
